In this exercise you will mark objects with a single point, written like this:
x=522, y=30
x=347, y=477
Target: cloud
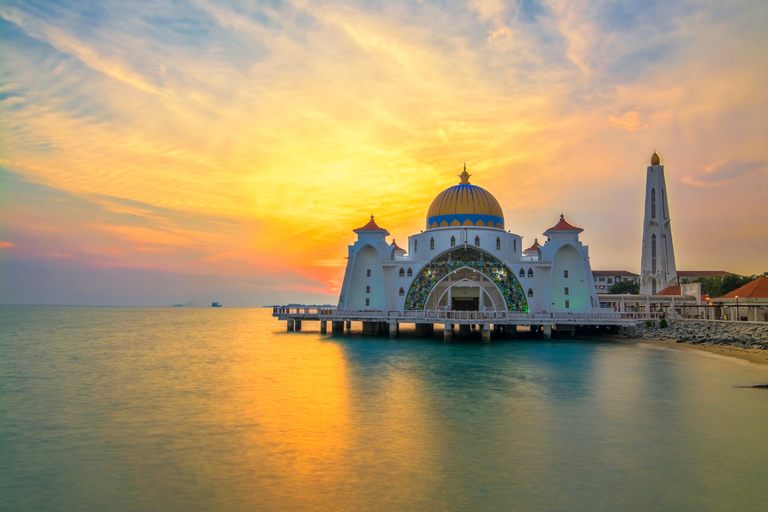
x=629, y=121
x=241, y=138
x=4, y=244
x=724, y=171
x=502, y=33
x=110, y=66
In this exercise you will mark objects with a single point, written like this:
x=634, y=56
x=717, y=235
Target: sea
x=221, y=409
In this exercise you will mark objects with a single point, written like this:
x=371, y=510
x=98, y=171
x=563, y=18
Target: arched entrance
x=467, y=260
x=466, y=289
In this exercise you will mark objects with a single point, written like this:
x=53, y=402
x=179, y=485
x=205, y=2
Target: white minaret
x=657, y=265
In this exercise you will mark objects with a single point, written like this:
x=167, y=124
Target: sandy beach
x=752, y=355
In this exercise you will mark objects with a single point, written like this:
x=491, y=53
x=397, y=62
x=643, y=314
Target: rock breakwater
x=709, y=332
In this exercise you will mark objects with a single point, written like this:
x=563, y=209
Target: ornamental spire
x=464, y=175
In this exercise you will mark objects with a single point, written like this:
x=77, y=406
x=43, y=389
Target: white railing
x=441, y=316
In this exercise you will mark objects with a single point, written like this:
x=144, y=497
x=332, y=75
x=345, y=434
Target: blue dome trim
x=462, y=217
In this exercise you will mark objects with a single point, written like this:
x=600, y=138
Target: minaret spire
x=657, y=264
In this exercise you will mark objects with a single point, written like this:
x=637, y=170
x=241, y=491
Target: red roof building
x=563, y=225
x=371, y=226
x=677, y=291
x=757, y=289
x=535, y=245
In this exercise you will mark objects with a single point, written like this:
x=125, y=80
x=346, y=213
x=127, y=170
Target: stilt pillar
x=393, y=329
x=323, y=326
x=510, y=331
x=297, y=325
x=290, y=325
x=632, y=331
x=448, y=333
x=337, y=326
x=487, y=333
x=349, y=325
x=547, y=332
x=464, y=330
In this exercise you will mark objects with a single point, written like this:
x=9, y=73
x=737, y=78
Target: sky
x=163, y=152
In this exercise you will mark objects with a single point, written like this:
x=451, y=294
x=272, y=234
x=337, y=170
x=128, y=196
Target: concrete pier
x=385, y=323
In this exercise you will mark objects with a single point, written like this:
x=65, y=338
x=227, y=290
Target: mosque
x=466, y=260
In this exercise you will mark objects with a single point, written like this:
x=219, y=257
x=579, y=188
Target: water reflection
x=218, y=410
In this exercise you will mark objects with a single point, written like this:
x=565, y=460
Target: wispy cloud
x=251, y=133
x=724, y=171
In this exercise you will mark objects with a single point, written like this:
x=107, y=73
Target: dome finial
x=655, y=160
x=562, y=216
x=464, y=175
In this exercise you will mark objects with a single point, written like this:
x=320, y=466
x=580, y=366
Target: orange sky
x=202, y=148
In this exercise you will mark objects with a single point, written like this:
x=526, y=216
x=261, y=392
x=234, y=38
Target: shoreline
x=752, y=355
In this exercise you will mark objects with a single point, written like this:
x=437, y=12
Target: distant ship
x=178, y=305
x=215, y=305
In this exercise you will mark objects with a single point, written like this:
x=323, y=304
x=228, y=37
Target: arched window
x=415, y=245
x=653, y=287
x=432, y=244
x=530, y=272
x=401, y=292
x=653, y=203
x=453, y=241
x=522, y=272
x=477, y=241
x=514, y=245
x=402, y=272
x=663, y=204
x=498, y=243
x=653, y=253
x=530, y=292
x=410, y=272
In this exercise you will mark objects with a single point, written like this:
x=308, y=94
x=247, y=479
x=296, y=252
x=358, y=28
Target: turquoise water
x=128, y=409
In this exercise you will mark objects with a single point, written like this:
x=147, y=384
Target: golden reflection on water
x=299, y=401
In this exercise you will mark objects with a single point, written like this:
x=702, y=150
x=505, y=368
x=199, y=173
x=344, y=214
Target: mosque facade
x=466, y=260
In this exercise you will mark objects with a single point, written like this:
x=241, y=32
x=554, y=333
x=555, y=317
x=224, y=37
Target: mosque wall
x=367, y=291
x=568, y=291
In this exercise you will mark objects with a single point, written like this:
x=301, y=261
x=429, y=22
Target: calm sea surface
x=127, y=409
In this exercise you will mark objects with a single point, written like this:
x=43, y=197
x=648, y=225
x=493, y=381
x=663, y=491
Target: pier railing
x=441, y=316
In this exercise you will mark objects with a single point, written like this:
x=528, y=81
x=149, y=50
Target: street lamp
x=737, y=308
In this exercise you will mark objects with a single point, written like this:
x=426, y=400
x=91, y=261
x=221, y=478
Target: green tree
x=712, y=286
x=630, y=287
x=734, y=281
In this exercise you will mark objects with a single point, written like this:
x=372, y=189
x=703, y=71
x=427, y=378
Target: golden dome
x=465, y=205
x=655, y=160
